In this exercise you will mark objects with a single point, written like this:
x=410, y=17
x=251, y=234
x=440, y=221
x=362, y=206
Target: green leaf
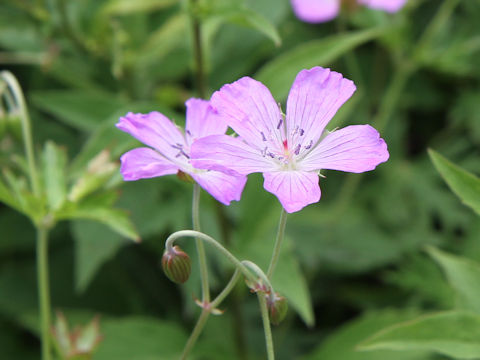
x=136, y=338
x=125, y=7
x=245, y=17
x=465, y=185
x=279, y=73
x=84, y=110
x=453, y=333
x=94, y=244
x=54, y=168
x=118, y=220
x=342, y=343
x=7, y=198
x=463, y=275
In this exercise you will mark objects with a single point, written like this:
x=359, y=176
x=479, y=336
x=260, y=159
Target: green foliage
x=465, y=185
x=453, y=334
x=346, y=263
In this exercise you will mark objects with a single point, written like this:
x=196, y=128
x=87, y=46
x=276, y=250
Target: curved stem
x=231, y=284
x=266, y=325
x=201, y=236
x=26, y=128
x=43, y=290
x=278, y=243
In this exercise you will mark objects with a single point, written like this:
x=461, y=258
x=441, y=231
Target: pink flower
x=317, y=11
x=171, y=149
x=289, y=150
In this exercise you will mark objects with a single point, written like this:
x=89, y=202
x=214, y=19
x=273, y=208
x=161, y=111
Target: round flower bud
x=277, y=308
x=176, y=264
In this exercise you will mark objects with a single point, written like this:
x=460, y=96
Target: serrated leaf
x=279, y=73
x=125, y=7
x=453, y=333
x=54, y=168
x=464, y=184
x=463, y=275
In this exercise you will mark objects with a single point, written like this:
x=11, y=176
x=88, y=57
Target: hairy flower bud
x=277, y=308
x=176, y=264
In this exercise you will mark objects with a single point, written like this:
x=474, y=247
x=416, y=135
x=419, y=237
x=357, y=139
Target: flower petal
x=155, y=130
x=355, y=148
x=294, y=189
x=314, y=98
x=202, y=120
x=249, y=108
x=221, y=186
x=228, y=154
x=316, y=11
x=143, y=163
x=386, y=5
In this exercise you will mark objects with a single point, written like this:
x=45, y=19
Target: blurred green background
x=352, y=264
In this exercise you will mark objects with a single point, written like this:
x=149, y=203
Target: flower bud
x=176, y=264
x=277, y=308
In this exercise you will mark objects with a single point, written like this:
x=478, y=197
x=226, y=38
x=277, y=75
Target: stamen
x=279, y=124
x=272, y=155
x=263, y=136
x=302, y=132
x=177, y=146
x=264, y=152
x=297, y=149
x=309, y=145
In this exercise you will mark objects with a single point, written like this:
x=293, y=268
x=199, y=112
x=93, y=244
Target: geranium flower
x=317, y=11
x=289, y=150
x=171, y=149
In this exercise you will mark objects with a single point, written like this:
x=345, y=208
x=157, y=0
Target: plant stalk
x=278, y=243
x=266, y=326
x=43, y=291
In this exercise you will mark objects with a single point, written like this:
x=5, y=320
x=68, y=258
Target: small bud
x=185, y=177
x=176, y=264
x=277, y=307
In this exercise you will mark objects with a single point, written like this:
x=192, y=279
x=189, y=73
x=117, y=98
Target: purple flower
x=289, y=150
x=317, y=11
x=171, y=149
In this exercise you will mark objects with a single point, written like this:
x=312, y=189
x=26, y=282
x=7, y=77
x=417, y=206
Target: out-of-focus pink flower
x=169, y=150
x=289, y=150
x=317, y=11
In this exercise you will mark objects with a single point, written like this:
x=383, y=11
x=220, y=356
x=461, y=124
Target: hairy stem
x=43, y=291
x=278, y=243
x=198, y=55
x=197, y=330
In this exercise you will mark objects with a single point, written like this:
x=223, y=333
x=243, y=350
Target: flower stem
x=197, y=330
x=231, y=284
x=208, y=239
x=43, y=290
x=278, y=243
x=202, y=258
x=266, y=325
